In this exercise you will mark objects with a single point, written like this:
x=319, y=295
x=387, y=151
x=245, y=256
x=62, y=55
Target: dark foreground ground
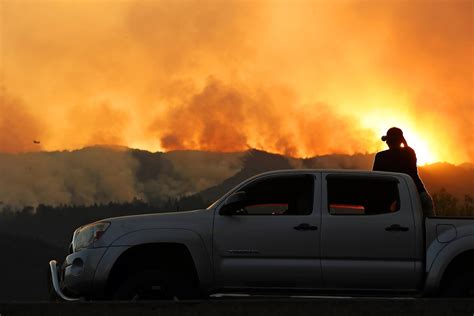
x=230, y=307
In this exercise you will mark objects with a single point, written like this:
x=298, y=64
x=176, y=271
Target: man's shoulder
x=410, y=152
x=382, y=153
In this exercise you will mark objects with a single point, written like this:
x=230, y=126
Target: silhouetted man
x=402, y=159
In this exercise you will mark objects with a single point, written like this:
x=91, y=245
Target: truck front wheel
x=144, y=285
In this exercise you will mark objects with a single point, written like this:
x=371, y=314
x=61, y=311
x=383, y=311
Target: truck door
x=273, y=240
x=368, y=234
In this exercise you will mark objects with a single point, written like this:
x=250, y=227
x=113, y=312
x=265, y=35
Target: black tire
x=460, y=285
x=182, y=287
x=144, y=285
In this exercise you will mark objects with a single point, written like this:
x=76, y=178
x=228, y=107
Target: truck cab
x=325, y=230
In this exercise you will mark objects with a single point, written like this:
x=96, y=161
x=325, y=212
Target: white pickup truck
x=286, y=232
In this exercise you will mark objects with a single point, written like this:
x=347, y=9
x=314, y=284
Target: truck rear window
x=359, y=195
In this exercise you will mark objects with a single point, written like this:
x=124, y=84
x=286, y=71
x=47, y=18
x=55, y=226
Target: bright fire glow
x=423, y=152
x=301, y=78
x=426, y=144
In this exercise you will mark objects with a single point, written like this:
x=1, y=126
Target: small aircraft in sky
x=37, y=142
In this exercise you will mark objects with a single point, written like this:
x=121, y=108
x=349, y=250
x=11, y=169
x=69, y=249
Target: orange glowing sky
x=301, y=78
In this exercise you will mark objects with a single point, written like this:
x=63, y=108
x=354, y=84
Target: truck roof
x=342, y=171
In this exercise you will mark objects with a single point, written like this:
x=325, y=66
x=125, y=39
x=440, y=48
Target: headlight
x=84, y=236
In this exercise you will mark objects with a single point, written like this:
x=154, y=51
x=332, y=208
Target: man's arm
x=377, y=165
x=413, y=165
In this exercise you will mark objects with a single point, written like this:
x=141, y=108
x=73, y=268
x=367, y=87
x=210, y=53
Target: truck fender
x=186, y=237
x=443, y=259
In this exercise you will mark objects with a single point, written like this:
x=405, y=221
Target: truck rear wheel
x=460, y=285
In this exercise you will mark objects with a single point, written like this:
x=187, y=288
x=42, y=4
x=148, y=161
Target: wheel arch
x=448, y=260
x=173, y=258
x=461, y=263
x=179, y=242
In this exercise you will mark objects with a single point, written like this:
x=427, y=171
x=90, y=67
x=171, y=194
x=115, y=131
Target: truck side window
x=362, y=195
x=283, y=195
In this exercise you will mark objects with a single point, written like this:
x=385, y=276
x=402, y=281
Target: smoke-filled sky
x=301, y=78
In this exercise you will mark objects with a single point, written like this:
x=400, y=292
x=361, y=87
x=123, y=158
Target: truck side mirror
x=233, y=203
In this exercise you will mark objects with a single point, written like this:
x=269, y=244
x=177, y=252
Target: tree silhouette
x=445, y=203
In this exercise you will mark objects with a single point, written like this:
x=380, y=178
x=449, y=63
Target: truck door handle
x=305, y=226
x=396, y=228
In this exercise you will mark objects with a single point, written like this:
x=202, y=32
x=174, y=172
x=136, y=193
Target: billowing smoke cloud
x=108, y=174
x=299, y=78
x=358, y=161
x=204, y=169
x=18, y=128
x=96, y=124
x=82, y=178
x=228, y=118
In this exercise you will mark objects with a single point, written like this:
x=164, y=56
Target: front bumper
x=76, y=275
x=53, y=266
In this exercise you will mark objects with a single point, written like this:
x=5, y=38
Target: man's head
x=394, y=138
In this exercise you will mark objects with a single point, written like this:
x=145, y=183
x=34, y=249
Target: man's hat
x=393, y=134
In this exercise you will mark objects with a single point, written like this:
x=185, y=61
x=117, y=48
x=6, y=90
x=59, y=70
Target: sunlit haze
x=300, y=78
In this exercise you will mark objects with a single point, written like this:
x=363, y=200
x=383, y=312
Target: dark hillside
x=253, y=163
